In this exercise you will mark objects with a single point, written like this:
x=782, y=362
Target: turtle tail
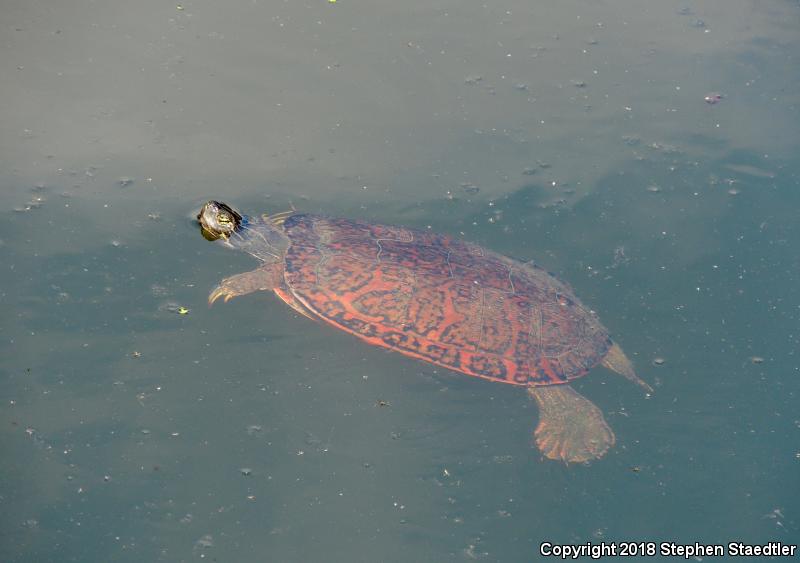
x=617, y=361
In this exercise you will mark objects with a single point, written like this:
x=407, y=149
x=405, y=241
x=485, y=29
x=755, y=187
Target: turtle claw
x=220, y=291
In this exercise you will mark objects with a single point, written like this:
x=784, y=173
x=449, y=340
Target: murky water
x=137, y=424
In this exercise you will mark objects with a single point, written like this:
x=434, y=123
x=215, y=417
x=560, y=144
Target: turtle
x=438, y=299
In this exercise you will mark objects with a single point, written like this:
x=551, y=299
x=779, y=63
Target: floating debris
x=713, y=98
x=664, y=147
x=124, y=182
x=756, y=360
x=750, y=171
x=207, y=541
x=631, y=140
x=158, y=290
x=35, y=203
x=659, y=361
x=653, y=189
x=246, y=471
x=620, y=258
x=171, y=307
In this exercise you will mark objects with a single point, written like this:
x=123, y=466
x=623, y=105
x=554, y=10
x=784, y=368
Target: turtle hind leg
x=617, y=361
x=266, y=278
x=571, y=428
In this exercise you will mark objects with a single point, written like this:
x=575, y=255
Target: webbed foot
x=571, y=428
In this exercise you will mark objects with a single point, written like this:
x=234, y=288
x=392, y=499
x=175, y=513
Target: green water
x=576, y=136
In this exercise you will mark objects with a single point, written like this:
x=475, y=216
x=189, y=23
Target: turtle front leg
x=571, y=428
x=265, y=278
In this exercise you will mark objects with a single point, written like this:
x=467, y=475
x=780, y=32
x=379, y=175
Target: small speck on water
x=756, y=360
x=124, y=182
x=659, y=361
x=653, y=189
x=246, y=471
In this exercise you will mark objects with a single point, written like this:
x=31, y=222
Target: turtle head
x=263, y=239
x=218, y=221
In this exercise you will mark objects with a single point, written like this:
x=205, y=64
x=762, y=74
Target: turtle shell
x=441, y=300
